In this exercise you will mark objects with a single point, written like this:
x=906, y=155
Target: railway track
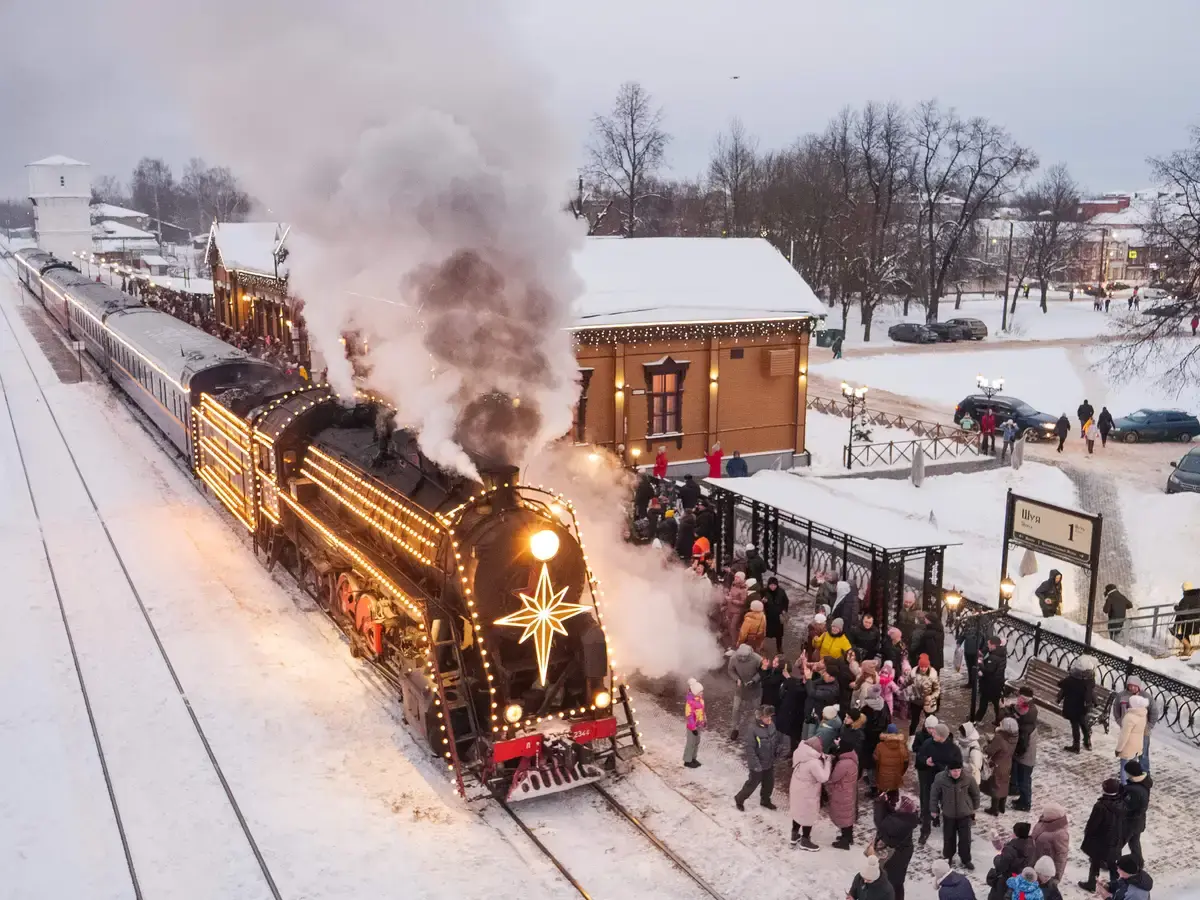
x=104, y=760
x=699, y=887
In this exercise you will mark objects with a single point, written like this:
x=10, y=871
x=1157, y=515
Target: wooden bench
x=1043, y=679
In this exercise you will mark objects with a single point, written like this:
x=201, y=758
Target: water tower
x=61, y=191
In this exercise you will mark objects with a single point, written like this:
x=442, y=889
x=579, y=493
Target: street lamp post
x=990, y=387
x=1007, y=588
x=855, y=397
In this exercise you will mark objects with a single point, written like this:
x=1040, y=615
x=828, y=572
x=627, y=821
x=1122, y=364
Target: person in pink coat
x=843, y=797
x=888, y=689
x=810, y=769
x=697, y=722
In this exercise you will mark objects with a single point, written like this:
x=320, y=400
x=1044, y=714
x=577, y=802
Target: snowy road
x=340, y=799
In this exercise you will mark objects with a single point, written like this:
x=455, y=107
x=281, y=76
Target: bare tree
x=960, y=168
x=213, y=194
x=1174, y=227
x=627, y=149
x=15, y=214
x=108, y=189
x=732, y=173
x=590, y=209
x=153, y=190
x=1055, y=233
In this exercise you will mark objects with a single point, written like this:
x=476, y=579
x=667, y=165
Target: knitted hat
x=1044, y=868
x=923, y=660
x=895, y=633
x=837, y=623
x=695, y=687
x=1133, y=769
x=750, y=547
x=756, y=605
x=819, y=618
x=942, y=731
x=1008, y=724
x=1022, y=829
x=870, y=868
x=941, y=868
x=1128, y=864
x=1029, y=874
x=892, y=729
x=1111, y=787
x=931, y=722
x=751, y=583
x=829, y=712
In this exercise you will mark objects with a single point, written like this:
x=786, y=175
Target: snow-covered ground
x=1063, y=320
x=825, y=438
x=1044, y=377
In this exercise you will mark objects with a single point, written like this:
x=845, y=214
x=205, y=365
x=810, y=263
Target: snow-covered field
x=1044, y=377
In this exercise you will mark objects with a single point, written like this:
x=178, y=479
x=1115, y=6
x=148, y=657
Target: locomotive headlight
x=603, y=699
x=513, y=713
x=543, y=545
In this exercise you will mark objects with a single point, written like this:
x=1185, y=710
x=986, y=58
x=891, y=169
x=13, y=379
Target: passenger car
x=1155, y=425
x=912, y=333
x=946, y=331
x=1186, y=474
x=1032, y=425
x=975, y=329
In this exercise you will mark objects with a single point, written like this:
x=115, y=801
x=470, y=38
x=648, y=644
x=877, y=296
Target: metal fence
x=919, y=427
x=892, y=452
x=1179, y=701
x=1152, y=630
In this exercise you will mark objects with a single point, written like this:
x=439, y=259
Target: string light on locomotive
x=541, y=616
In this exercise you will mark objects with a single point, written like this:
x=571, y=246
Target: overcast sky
x=1098, y=84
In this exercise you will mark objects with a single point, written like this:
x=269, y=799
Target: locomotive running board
x=540, y=782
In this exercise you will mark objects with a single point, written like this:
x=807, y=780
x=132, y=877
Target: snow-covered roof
x=640, y=281
x=57, y=161
x=820, y=500
x=153, y=259
x=249, y=246
x=109, y=211
x=118, y=230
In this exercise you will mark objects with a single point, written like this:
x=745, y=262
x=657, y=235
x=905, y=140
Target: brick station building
x=690, y=341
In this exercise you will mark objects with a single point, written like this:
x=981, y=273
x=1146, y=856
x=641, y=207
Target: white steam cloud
x=424, y=182
x=656, y=610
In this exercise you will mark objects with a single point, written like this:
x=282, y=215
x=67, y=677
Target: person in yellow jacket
x=833, y=642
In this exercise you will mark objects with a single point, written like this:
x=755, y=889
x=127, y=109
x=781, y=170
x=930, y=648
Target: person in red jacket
x=660, y=462
x=714, y=460
x=987, y=428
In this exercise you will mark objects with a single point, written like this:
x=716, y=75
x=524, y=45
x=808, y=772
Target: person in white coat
x=810, y=770
x=1133, y=731
x=967, y=740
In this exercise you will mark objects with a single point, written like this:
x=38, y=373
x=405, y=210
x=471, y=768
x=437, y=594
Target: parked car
x=947, y=331
x=1186, y=474
x=1155, y=425
x=975, y=329
x=912, y=333
x=1033, y=425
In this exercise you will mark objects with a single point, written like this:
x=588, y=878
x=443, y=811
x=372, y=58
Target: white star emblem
x=541, y=615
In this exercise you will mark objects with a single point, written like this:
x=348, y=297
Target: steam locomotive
x=472, y=599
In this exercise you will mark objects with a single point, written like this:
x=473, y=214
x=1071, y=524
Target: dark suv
x=947, y=331
x=973, y=328
x=1031, y=424
x=1186, y=474
x=912, y=333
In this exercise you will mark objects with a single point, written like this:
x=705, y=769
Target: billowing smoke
x=410, y=153
x=656, y=610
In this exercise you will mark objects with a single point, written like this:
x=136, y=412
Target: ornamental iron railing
x=892, y=452
x=919, y=427
x=1178, y=700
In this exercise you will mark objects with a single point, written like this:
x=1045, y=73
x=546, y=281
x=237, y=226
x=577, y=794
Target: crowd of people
x=857, y=710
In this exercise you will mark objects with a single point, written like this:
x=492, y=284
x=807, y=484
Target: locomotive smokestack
x=503, y=479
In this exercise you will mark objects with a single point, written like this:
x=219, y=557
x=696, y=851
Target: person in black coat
x=689, y=492
x=864, y=637
x=991, y=678
x=972, y=643
x=1049, y=594
x=793, y=695
x=1077, y=693
x=1136, y=795
x=756, y=566
x=931, y=640
x=686, y=537
x=1104, y=834
x=771, y=682
x=668, y=529
x=642, y=496
x=1014, y=856
x=896, y=818
x=823, y=691
x=1116, y=608
x=1062, y=429
x=1085, y=412
x=775, y=604
x=1105, y=424
x=706, y=521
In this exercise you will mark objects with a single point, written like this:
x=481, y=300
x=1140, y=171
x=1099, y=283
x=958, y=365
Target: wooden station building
x=690, y=341
x=250, y=283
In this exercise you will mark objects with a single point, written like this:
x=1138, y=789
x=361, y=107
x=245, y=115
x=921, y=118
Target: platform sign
x=1049, y=529
x=1066, y=534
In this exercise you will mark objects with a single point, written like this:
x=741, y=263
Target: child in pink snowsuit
x=696, y=722
x=888, y=688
